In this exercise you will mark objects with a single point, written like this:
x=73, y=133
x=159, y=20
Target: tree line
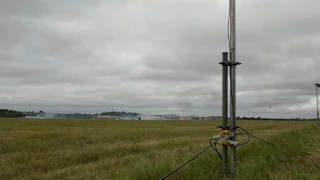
x=16, y=114
x=120, y=114
x=42, y=114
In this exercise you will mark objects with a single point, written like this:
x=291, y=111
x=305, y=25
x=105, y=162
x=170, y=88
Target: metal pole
x=232, y=16
x=317, y=106
x=225, y=107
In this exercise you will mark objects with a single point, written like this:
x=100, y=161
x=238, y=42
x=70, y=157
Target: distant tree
x=121, y=114
x=11, y=113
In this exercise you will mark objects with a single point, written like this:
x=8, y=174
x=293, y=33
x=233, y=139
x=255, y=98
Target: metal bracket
x=235, y=63
x=230, y=63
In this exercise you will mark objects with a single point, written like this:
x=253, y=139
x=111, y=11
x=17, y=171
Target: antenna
x=233, y=64
x=224, y=64
x=229, y=129
x=317, y=100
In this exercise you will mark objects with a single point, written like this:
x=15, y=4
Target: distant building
x=214, y=117
x=192, y=117
x=150, y=117
x=171, y=117
x=185, y=118
x=157, y=117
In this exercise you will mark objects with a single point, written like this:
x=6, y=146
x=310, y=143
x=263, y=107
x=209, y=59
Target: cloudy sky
x=156, y=56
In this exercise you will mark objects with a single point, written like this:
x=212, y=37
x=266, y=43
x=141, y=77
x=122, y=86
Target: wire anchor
x=224, y=138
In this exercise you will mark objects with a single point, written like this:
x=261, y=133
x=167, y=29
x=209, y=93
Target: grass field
x=101, y=149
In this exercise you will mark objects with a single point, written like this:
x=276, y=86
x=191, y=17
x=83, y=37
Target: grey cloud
x=157, y=56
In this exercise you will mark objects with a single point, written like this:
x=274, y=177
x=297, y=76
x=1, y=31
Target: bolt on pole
x=225, y=108
x=232, y=16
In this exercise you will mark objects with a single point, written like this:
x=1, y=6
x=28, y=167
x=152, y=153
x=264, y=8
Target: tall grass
x=100, y=149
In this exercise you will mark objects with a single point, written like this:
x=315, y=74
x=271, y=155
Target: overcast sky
x=156, y=56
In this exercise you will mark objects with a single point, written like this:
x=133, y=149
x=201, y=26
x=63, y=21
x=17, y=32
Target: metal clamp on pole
x=230, y=63
x=235, y=63
x=225, y=63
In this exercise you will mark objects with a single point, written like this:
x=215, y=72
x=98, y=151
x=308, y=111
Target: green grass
x=101, y=149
